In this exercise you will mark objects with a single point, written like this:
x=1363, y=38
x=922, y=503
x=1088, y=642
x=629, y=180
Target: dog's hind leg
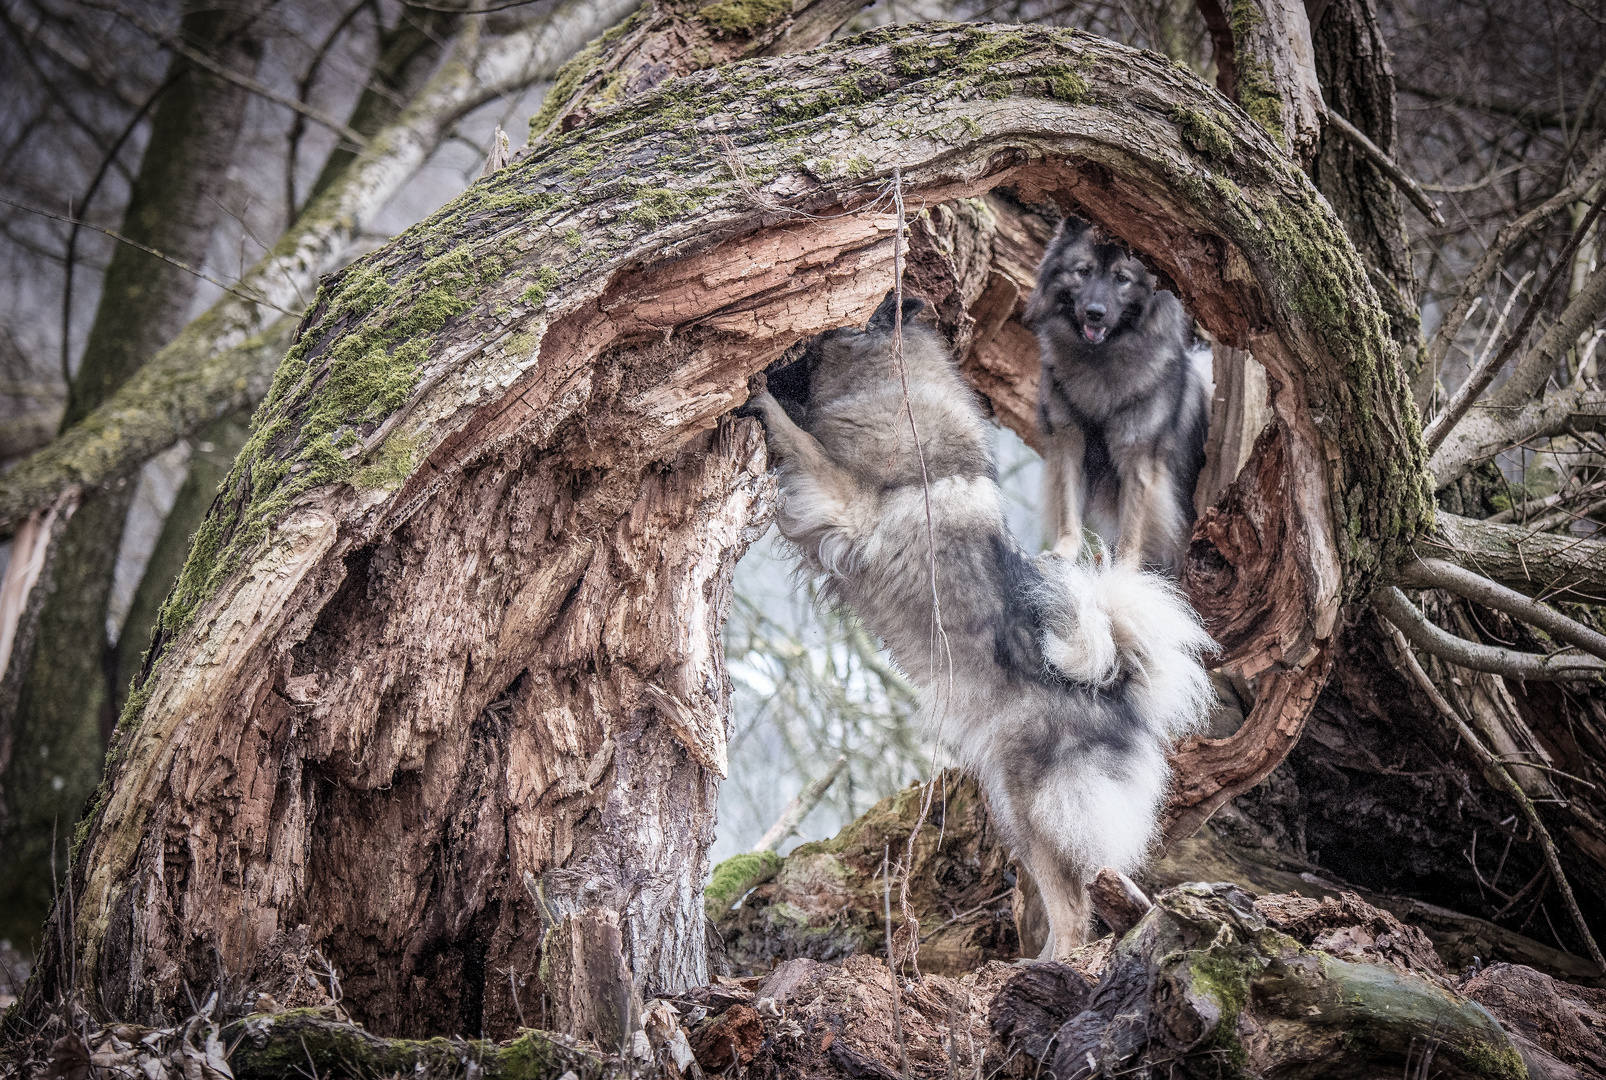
x=1065, y=900
x=1063, y=453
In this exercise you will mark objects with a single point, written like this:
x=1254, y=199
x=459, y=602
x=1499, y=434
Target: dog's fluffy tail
x=1105, y=624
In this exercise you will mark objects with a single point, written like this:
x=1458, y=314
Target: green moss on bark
x=735, y=876
x=580, y=70
x=356, y=363
x=1205, y=130
x=744, y=16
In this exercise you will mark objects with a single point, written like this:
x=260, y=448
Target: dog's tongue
x=1095, y=334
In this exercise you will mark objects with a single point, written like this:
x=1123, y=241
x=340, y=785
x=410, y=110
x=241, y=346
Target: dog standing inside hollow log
x=1058, y=684
x=1123, y=402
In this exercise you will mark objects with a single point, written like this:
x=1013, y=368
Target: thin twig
x=963, y=915
x=1492, y=764
x=1478, y=380
x=1374, y=153
x=1521, y=513
x=892, y=968
x=120, y=238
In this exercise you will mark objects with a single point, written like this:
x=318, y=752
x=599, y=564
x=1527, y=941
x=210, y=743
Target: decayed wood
x=826, y=900
x=585, y=976
x=386, y=689
x=1028, y=1011
x=1117, y=900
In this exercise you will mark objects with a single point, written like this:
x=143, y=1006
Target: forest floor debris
x=1213, y=981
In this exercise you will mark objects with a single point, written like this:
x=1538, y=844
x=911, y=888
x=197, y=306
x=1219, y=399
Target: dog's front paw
x=757, y=387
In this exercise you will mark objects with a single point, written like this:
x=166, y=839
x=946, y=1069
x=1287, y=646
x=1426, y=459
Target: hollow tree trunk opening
x=448, y=640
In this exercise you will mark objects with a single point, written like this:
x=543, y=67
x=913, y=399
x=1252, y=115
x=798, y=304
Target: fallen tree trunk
x=452, y=621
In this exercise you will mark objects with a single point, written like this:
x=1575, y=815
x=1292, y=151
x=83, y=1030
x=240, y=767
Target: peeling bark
x=550, y=489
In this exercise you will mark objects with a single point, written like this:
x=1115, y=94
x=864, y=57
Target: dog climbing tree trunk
x=443, y=667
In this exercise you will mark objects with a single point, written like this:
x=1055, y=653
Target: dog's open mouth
x=1095, y=334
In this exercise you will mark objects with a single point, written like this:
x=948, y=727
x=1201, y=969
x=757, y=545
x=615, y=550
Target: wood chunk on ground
x=1560, y=1028
x=1028, y=1012
x=732, y=1037
x=1351, y=929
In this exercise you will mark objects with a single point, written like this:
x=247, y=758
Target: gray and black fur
x=1058, y=684
x=1124, y=401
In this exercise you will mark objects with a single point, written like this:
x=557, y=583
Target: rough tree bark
x=57, y=708
x=453, y=620
x=173, y=379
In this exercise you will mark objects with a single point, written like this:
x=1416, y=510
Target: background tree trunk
x=492, y=492
x=57, y=721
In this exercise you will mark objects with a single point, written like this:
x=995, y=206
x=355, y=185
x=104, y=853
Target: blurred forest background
x=218, y=132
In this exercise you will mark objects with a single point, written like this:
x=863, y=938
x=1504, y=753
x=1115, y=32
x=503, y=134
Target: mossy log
x=825, y=900
x=1209, y=984
x=453, y=619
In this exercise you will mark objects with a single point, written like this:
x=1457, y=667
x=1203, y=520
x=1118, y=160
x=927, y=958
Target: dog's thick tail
x=1103, y=625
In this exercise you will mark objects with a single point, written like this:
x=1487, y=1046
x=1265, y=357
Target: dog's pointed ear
x=1039, y=305
x=883, y=317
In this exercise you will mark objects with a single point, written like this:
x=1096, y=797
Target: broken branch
x=1374, y=153
x=1438, y=574
x=1508, y=663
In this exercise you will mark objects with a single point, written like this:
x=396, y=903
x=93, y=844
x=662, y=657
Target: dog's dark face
x=1090, y=283
x=836, y=359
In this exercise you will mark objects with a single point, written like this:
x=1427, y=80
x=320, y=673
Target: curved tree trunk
x=450, y=632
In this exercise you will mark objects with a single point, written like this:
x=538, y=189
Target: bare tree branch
x=1524, y=512
x=1374, y=153
x=798, y=809
x=223, y=71
x=1507, y=663
x=1531, y=373
x=1498, y=771
x=1488, y=429
x=1438, y=574
x=1581, y=312
x=121, y=239
x=1494, y=255
x=1538, y=564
